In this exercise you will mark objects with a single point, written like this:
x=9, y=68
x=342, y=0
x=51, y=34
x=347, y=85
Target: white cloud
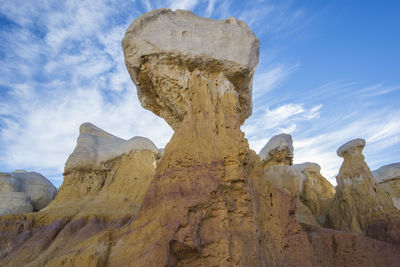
x=82, y=78
x=210, y=8
x=284, y=118
x=183, y=4
x=265, y=81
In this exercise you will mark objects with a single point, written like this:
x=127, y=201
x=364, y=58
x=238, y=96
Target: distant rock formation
x=95, y=146
x=286, y=179
x=106, y=174
x=358, y=201
x=23, y=191
x=14, y=203
x=388, y=178
x=317, y=193
x=278, y=151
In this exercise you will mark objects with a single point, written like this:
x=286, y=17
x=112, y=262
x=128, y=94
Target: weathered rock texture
x=91, y=203
x=164, y=50
x=14, y=203
x=359, y=204
x=95, y=146
x=278, y=151
x=388, y=178
x=287, y=179
x=38, y=190
x=317, y=193
x=337, y=248
x=207, y=201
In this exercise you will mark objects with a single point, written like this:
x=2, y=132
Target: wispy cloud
x=183, y=4
x=265, y=81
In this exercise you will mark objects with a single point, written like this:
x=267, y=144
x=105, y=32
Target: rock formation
x=277, y=157
x=91, y=201
x=278, y=151
x=205, y=200
x=35, y=191
x=287, y=179
x=388, y=178
x=95, y=146
x=358, y=202
x=14, y=203
x=317, y=193
x=209, y=203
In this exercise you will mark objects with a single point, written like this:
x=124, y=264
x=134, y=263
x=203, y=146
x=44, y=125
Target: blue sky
x=329, y=72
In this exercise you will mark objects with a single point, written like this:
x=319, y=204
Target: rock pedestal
x=358, y=202
x=209, y=203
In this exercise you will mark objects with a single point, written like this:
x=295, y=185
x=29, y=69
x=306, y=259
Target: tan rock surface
x=388, y=178
x=207, y=203
x=337, y=248
x=318, y=192
x=90, y=205
x=358, y=202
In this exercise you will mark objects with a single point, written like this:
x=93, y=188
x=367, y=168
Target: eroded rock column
x=358, y=202
x=203, y=207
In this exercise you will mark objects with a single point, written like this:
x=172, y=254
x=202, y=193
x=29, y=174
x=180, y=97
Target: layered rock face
x=317, y=193
x=23, y=191
x=95, y=198
x=358, y=203
x=106, y=175
x=388, y=178
x=209, y=203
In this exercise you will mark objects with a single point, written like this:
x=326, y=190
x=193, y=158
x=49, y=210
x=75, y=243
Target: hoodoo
x=206, y=199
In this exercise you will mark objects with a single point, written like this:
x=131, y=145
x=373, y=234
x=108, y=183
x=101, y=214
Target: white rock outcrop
x=38, y=190
x=352, y=146
x=163, y=49
x=95, y=146
x=278, y=151
x=14, y=203
x=287, y=179
x=388, y=178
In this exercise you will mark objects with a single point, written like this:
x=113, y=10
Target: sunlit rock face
x=358, y=202
x=38, y=191
x=165, y=50
x=388, y=178
x=100, y=193
x=204, y=200
x=317, y=193
x=209, y=203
